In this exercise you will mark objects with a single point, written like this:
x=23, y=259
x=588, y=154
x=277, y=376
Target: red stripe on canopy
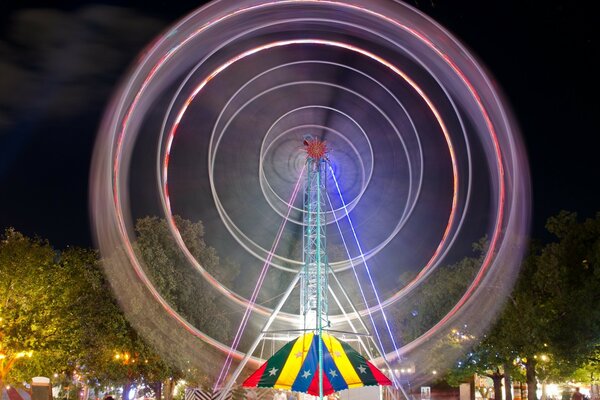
x=253, y=379
x=314, y=385
x=379, y=376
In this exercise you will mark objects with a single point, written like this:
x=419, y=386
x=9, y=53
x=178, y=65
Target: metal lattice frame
x=313, y=293
x=313, y=277
x=313, y=296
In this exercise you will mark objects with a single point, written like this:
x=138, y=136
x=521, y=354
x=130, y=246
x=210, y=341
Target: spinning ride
x=427, y=161
x=315, y=363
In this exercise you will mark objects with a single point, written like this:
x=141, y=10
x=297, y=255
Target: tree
x=437, y=295
x=55, y=307
x=177, y=281
x=120, y=356
x=558, y=295
x=590, y=371
x=551, y=322
x=29, y=328
x=569, y=273
x=488, y=357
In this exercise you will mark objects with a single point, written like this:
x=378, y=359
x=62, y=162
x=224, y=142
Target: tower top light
x=315, y=148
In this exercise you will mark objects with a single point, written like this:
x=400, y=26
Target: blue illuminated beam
x=362, y=293
x=364, y=262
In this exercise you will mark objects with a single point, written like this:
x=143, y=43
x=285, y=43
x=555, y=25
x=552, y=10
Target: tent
x=295, y=367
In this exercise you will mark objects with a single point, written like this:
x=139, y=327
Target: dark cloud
x=58, y=64
x=57, y=70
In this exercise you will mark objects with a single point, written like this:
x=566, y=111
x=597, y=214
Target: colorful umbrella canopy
x=295, y=367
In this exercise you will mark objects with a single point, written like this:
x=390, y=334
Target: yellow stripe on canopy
x=294, y=362
x=341, y=361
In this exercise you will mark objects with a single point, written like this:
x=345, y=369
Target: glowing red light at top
x=315, y=148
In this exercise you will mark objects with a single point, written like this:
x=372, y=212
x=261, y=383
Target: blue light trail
x=364, y=261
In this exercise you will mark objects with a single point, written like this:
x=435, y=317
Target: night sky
x=59, y=65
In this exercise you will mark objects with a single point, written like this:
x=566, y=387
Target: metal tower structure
x=315, y=273
x=313, y=279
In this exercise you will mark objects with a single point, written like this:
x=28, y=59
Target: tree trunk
x=544, y=394
x=497, y=379
x=531, y=379
x=507, y=384
x=168, y=388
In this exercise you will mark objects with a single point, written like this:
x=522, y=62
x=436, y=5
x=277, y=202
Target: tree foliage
x=178, y=281
x=550, y=327
x=35, y=309
x=437, y=295
x=58, y=316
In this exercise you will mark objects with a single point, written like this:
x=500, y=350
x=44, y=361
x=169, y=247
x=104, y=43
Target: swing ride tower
x=313, y=278
x=312, y=368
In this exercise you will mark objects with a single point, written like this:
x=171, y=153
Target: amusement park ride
x=426, y=146
x=316, y=362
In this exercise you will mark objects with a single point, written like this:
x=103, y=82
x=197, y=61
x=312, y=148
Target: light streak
x=362, y=293
x=122, y=231
x=315, y=41
x=364, y=262
x=261, y=278
x=234, y=296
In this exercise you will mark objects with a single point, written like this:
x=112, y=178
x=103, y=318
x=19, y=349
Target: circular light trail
x=444, y=91
x=179, y=116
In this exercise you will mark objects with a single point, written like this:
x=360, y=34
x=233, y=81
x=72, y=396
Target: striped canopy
x=295, y=367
